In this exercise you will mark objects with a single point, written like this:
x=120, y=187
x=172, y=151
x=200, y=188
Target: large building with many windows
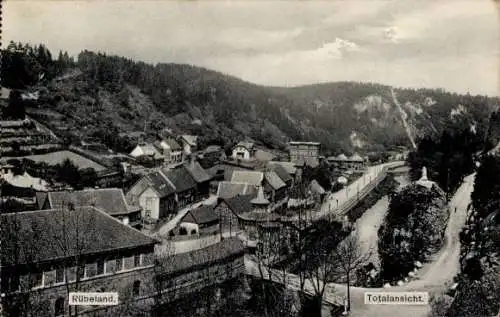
x=48, y=253
x=304, y=153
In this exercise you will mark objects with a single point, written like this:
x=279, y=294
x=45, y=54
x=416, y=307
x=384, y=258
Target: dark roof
x=8, y=190
x=260, y=216
x=210, y=254
x=240, y=204
x=203, y=214
x=40, y=235
x=282, y=173
x=41, y=197
x=197, y=172
x=109, y=200
x=227, y=190
x=174, y=146
x=180, y=177
x=248, y=145
x=160, y=184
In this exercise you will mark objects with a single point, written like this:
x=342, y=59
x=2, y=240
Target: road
x=435, y=274
x=165, y=229
x=335, y=202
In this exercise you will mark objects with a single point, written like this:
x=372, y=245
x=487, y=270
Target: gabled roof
x=212, y=148
x=281, y=172
x=201, y=215
x=289, y=167
x=190, y=139
x=227, y=190
x=147, y=149
x=37, y=235
x=356, y=158
x=254, y=178
x=264, y=156
x=197, y=172
x=240, y=204
x=317, y=188
x=172, y=144
x=342, y=157
x=274, y=180
x=180, y=178
x=109, y=200
x=248, y=145
x=41, y=197
x=25, y=181
x=215, y=252
x=160, y=184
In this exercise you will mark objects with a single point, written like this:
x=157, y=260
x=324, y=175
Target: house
x=184, y=184
x=264, y=156
x=147, y=149
x=304, y=153
x=189, y=143
x=244, y=151
x=274, y=187
x=200, y=176
x=245, y=212
x=289, y=167
x=23, y=195
x=171, y=150
x=110, y=200
x=188, y=271
x=317, y=190
x=155, y=194
x=283, y=174
x=228, y=190
x=25, y=181
x=354, y=162
x=200, y=221
x=48, y=253
x=109, y=178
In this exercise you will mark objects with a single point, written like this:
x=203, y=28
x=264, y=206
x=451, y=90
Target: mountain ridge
x=114, y=95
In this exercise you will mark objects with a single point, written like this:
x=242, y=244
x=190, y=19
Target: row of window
x=40, y=279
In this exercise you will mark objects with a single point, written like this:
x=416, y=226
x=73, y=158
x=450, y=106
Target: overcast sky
x=447, y=44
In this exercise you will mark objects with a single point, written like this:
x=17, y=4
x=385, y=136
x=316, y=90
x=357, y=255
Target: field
x=59, y=156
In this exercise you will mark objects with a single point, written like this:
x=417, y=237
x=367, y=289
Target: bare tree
x=349, y=258
x=19, y=250
x=73, y=235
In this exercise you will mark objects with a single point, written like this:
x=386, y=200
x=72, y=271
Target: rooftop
x=109, y=200
x=227, y=190
x=203, y=214
x=210, y=254
x=180, y=178
x=254, y=178
x=53, y=234
x=304, y=143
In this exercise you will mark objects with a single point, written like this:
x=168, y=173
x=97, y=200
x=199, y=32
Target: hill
x=101, y=96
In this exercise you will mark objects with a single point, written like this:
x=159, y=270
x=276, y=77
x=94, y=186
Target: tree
x=17, y=254
x=349, y=258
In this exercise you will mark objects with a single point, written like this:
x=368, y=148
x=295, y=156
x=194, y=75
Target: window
x=136, y=288
x=60, y=275
x=36, y=279
x=100, y=267
x=14, y=283
x=119, y=264
x=137, y=260
x=81, y=271
x=59, y=307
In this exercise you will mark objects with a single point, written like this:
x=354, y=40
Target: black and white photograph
x=250, y=158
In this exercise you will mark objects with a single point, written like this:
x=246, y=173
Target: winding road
x=433, y=277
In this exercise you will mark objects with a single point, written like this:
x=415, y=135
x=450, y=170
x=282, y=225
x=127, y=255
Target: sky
x=422, y=43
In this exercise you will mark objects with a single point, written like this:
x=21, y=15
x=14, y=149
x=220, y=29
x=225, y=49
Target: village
x=167, y=198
